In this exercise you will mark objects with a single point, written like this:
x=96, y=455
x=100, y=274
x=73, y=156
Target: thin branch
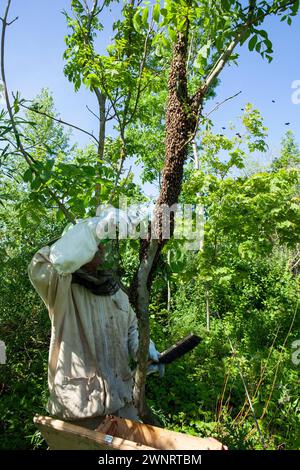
x=10, y=142
x=27, y=157
x=218, y=105
x=60, y=121
x=91, y=15
x=126, y=177
x=120, y=168
x=101, y=98
x=110, y=117
x=112, y=100
x=92, y=112
x=11, y=22
x=196, y=156
x=122, y=121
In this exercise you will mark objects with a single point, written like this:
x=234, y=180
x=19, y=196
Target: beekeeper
x=93, y=328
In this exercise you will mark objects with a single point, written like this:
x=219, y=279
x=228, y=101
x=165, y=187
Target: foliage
x=253, y=301
x=241, y=279
x=24, y=326
x=289, y=155
x=203, y=394
x=244, y=277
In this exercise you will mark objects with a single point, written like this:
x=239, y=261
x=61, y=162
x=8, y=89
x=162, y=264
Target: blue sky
x=35, y=44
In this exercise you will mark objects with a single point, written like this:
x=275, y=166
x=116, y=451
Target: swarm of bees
x=243, y=109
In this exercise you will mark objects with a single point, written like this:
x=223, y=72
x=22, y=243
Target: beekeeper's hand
x=154, y=356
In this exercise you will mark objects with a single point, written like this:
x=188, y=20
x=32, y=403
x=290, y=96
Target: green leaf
x=92, y=80
x=269, y=46
x=77, y=6
x=204, y=51
x=172, y=33
x=258, y=47
x=36, y=183
x=60, y=215
x=23, y=220
x=262, y=33
x=45, y=175
x=16, y=107
x=137, y=22
x=158, y=50
x=245, y=37
x=181, y=24
x=225, y=5
x=252, y=42
x=156, y=11
x=27, y=177
x=145, y=16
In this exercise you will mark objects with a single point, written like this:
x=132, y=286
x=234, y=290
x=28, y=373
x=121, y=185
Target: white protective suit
x=92, y=336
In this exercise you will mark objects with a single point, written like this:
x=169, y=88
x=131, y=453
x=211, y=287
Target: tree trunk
x=181, y=119
x=101, y=139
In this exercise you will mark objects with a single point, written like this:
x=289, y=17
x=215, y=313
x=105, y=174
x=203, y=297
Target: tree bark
x=181, y=120
x=101, y=98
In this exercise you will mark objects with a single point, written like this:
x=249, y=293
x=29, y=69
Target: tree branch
x=60, y=121
x=218, y=105
x=101, y=98
x=221, y=62
x=91, y=14
x=192, y=137
x=240, y=33
x=27, y=157
x=11, y=22
x=121, y=163
x=92, y=112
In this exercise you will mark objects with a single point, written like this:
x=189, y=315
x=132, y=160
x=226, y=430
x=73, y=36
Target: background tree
x=290, y=153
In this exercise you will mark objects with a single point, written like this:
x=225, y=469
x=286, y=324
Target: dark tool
x=179, y=349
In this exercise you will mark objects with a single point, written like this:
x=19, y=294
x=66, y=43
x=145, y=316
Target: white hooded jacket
x=92, y=336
